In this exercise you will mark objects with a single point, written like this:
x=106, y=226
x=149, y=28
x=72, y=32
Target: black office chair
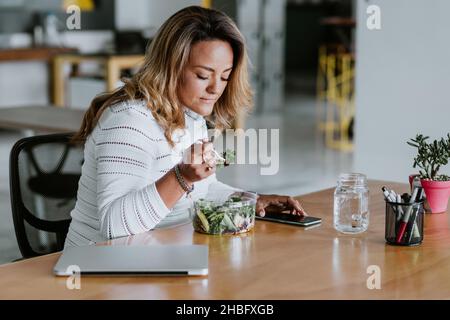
x=44, y=174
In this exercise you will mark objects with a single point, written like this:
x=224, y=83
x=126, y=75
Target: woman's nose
x=214, y=87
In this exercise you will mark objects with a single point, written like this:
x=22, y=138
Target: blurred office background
x=344, y=97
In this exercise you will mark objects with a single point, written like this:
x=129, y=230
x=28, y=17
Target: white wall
x=402, y=83
x=147, y=14
x=89, y=41
x=23, y=83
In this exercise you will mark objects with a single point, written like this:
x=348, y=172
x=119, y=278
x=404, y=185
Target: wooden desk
x=113, y=65
x=338, y=22
x=33, y=53
x=274, y=261
x=41, y=118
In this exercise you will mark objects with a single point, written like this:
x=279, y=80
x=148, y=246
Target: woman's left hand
x=277, y=203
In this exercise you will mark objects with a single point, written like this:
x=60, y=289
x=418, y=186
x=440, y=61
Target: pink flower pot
x=437, y=193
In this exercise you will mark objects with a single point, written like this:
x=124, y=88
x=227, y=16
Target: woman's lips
x=208, y=100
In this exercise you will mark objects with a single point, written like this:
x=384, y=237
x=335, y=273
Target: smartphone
x=302, y=221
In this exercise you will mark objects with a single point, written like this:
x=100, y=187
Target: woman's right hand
x=198, y=162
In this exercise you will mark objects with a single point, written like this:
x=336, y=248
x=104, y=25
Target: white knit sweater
x=123, y=158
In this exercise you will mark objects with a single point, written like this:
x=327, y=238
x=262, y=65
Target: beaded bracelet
x=182, y=182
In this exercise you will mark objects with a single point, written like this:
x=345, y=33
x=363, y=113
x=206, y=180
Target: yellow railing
x=335, y=96
x=207, y=3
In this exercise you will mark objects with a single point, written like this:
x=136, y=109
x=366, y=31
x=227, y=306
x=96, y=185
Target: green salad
x=227, y=157
x=236, y=215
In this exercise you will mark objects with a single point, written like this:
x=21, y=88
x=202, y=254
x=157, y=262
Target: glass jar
x=351, y=203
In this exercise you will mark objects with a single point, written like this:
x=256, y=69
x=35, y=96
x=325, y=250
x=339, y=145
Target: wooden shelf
x=35, y=53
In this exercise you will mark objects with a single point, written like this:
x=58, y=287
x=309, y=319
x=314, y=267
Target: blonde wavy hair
x=157, y=80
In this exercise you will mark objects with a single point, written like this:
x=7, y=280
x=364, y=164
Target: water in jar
x=351, y=204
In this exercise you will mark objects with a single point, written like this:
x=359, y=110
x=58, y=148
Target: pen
x=399, y=207
x=420, y=194
x=405, y=218
x=415, y=229
x=393, y=194
x=387, y=195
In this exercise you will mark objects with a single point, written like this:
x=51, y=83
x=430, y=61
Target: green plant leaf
x=431, y=156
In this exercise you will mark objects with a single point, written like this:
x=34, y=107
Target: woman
x=141, y=159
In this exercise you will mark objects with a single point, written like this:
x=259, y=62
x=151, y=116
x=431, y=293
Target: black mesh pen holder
x=404, y=223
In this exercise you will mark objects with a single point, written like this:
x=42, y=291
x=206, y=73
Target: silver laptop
x=134, y=260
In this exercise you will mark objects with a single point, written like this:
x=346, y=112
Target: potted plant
x=431, y=156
